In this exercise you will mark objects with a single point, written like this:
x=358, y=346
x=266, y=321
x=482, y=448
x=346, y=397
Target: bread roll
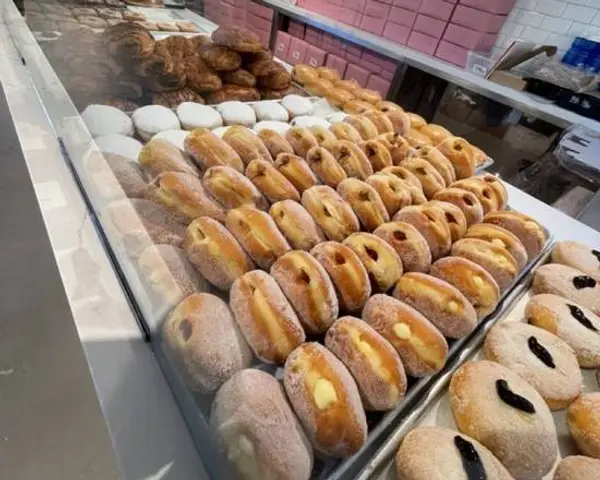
x=204, y=343
x=465, y=200
x=274, y=142
x=579, y=256
x=459, y=152
x=429, y=177
x=232, y=189
x=380, y=120
x=377, y=153
x=159, y=156
x=325, y=137
x=248, y=146
x=421, y=346
x=438, y=161
x=576, y=467
x=352, y=159
x=326, y=400
x=527, y=229
x=501, y=237
x=345, y=131
x=457, y=223
x=365, y=202
x=296, y=171
x=398, y=147
x=256, y=447
x=296, y=224
x=325, y=166
x=301, y=140
x=488, y=197
x=583, y=419
x=394, y=193
x=409, y=244
x=208, y=150
x=372, y=361
x=436, y=133
x=365, y=127
x=272, y=184
x=432, y=224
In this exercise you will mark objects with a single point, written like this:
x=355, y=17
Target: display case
x=257, y=210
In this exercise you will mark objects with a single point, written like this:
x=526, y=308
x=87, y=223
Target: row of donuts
x=502, y=405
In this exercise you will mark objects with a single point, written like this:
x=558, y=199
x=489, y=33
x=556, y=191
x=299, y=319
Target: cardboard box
x=413, y=5
x=282, y=44
x=499, y=7
x=402, y=16
x=478, y=20
x=373, y=25
x=260, y=11
x=396, y=33
x=377, y=9
x=430, y=26
x=379, y=84
x=337, y=63
x=452, y=53
x=423, y=43
x=356, y=5
x=354, y=72
x=439, y=9
x=297, y=51
x=470, y=39
x=315, y=57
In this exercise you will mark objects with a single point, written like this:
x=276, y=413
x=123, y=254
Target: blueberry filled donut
x=579, y=256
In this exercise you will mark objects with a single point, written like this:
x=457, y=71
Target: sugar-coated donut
x=159, y=156
x=308, y=287
x=399, y=148
x=326, y=400
x=416, y=139
x=352, y=159
x=296, y=224
x=372, y=361
x=304, y=74
x=357, y=107
x=380, y=120
x=301, y=140
x=365, y=201
x=569, y=283
x=328, y=73
x=436, y=133
x=444, y=305
x=296, y=171
x=338, y=98
x=579, y=256
x=501, y=237
x=242, y=416
x=265, y=316
x=542, y=359
x=465, y=200
x=495, y=259
x=325, y=166
x=381, y=261
x=387, y=106
x=571, y=322
x=583, y=419
x=400, y=121
x=331, y=212
x=409, y=244
x=437, y=161
x=365, y=127
x=232, y=189
x=490, y=201
x=247, y=144
x=208, y=150
x=204, y=342
x=258, y=234
x=495, y=406
x=414, y=185
x=457, y=223
x=577, y=467
x=274, y=142
x=324, y=136
x=369, y=95
x=347, y=273
x=394, y=193
x=416, y=121
x=345, y=131
x=429, y=177
x=498, y=186
x=378, y=154
x=460, y=153
x=472, y=280
x=421, y=346
x=450, y=455
x=529, y=231
x=432, y=224
x=272, y=184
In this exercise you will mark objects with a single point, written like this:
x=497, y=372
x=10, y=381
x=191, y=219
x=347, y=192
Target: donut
x=436, y=133
x=347, y=273
x=301, y=140
x=577, y=467
x=569, y=283
x=274, y=142
x=184, y=196
x=258, y=235
x=325, y=166
x=409, y=244
x=399, y=148
x=479, y=156
x=421, y=346
x=296, y=224
x=308, y=287
x=449, y=455
x=416, y=121
x=297, y=105
x=460, y=154
x=324, y=137
x=486, y=195
x=501, y=237
x=338, y=98
x=429, y=177
x=394, y=193
x=265, y=317
x=296, y=171
x=160, y=155
x=381, y=261
x=203, y=341
x=465, y=200
x=328, y=74
x=502, y=411
x=232, y=189
x=365, y=127
x=345, y=131
x=529, y=231
x=368, y=95
x=304, y=74
x=400, y=121
x=326, y=400
x=444, y=305
x=431, y=222
x=408, y=178
x=457, y=223
x=241, y=418
x=579, y=256
x=573, y=323
x=272, y=184
x=247, y=144
x=208, y=150
x=416, y=139
x=438, y=161
x=352, y=159
x=498, y=186
x=377, y=154
x=331, y=212
x=357, y=107
x=583, y=420
x=380, y=120
x=365, y=201
x=386, y=106
x=372, y=361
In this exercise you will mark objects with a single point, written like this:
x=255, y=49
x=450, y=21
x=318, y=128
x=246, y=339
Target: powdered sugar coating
x=176, y=137
x=365, y=201
x=237, y=113
x=248, y=145
x=583, y=419
x=296, y=224
x=409, y=244
x=232, y=189
x=297, y=105
x=579, y=256
x=119, y=145
x=465, y=200
x=152, y=119
x=269, y=110
x=527, y=229
x=106, y=120
x=195, y=115
x=115, y=176
x=578, y=467
x=431, y=223
x=160, y=155
x=279, y=127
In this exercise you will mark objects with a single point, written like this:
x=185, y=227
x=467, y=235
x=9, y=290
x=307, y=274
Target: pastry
x=394, y=193
x=368, y=95
x=304, y=74
x=498, y=186
x=234, y=93
x=309, y=289
x=457, y=222
x=235, y=112
x=399, y=148
x=301, y=140
x=365, y=127
x=296, y=171
x=319, y=87
x=259, y=63
x=542, y=359
x=352, y=159
x=484, y=193
x=466, y=201
x=579, y=256
x=159, y=156
x=380, y=120
x=436, y=133
x=308, y=121
x=184, y=196
x=497, y=260
x=193, y=115
x=377, y=153
x=437, y=161
x=114, y=176
x=429, y=177
x=297, y=105
x=416, y=139
x=365, y=202
x=409, y=244
x=338, y=98
x=448, y=455
x=372, y=361
x=400, y=121
x=232, y=189
x=240, y=77
x=208, y=150
x=204, y=342
x=296, y=224
x=421, y=346
x=444, y=305
x=278, y=78
x=347, y=273
x=258, y=235
x=274, y=142
x=381, y=261
x=583, y=419
x=152, y=119
x=459, y=152
x=270, y=111
x=237, y=38
x=351, y=85
x=529, y=231
x=432, y=224
x=569, y=283
x=173, y=98
x=501, y=237
x=470, y=279
x=104, y=120
x=248, y=146
x=128, y=40
x=387, y=106
x=272, y=184
x=345, y=131
x=325, y=138
x=200, y=77
x=328, y=74
x=501, y=410
x=325, y=166
x=221, y=58
x=335, y=217
x=120, y=145
x=416, y=121
x=417, y=197
x=266, y=318
x=186, y=26
x=576, y=467
x=242, y=416
x=176, y=137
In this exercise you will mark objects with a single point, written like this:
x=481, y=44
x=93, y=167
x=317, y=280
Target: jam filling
x=511, y=398
x=540, y=352
x=471, y=461
x=578, y=315
x=583, y=281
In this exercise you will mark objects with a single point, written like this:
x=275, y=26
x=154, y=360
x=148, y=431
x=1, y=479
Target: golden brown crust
x=583, y=419
x=416, y=121
x=498, y=186
x=409, y=244
x=296, y=171
x=394, y=193
x=248, y=146
x=272, y=184
x=296, y=224
x=319, y=87
x=230, y=93
x=429, y=177
x=240, y=77
x=436, y=133
x=528, y=230
x=304, y=74
x=325, y=166
x=459, y=152
x=438, y=161
x=466, y=201
x=328, y=74
x=501, y=237
x=365, y=127
x=455, y=218
x=399, y=148
x=432, y=224
x=386, y=106
x=208, y=150
x=237, y=38
x=352, y=159
x=221, y=58
x=400, y=121
x=338, y=98
x=356, y=106
x=368, y=95
x=484, y=193
x=377, y=153
x=274, y=142
x=301, y=140
x=403, y=174
x=232, y=189
x=278, y=78
x=380, y=120
x=345, y=131
x=325, y=138
x=416, y=139
x=159, y=156
x=365, y=201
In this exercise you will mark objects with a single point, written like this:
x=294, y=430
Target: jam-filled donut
x=579, y=256
x=576, y=467
x=365, y=201
x=490, y=201
x=296, y=224
x=232, y=189
x=583, y=419
x=432, y=224
x=399, y=148
x=409, y=244
x=498, y=186
x=466, y=201
x=412, y=182
x=296, y=171
x=301, y=139
x=352, y=159
x=324, y=137
x=457, y=223
x=394, y=193
x=365, y=127
x=460, y=154
x=501, y=237
x=325, y=166
x=436, y=133
x=438, y=161
x=377, y=153
x=429, y=177
x=345, y=131
x=272, y=184
x=274, y=142
x=529, y=231
x=380, y=120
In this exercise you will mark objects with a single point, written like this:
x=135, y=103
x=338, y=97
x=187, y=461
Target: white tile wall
x=555, y=22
